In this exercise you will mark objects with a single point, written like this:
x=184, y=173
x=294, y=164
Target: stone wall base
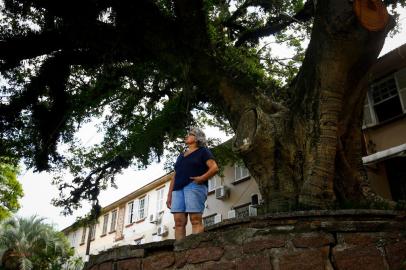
x=313, y=240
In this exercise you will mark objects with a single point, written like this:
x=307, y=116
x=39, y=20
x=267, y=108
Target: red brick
x=359, y=258
x=180, y=259
x=106, y=266
x=159, y=261
x=314, y=240
x=309, y=259
x=130, y=264
x=359, y=239
x=198, y=255
x=257, y=262
x=396, y=254
x=219, y=266
x=232, y=252
x=260, y=243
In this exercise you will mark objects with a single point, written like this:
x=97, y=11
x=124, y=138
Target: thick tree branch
x=67, y=9
x=15, y=49
x=277, y=24
x=241, y=10
x=87, y=38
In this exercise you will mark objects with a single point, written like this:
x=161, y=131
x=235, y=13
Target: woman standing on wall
x=188, y=188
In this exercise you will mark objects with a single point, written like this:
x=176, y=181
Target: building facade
x=137, y=218
x=384, y=126
x=142, y=216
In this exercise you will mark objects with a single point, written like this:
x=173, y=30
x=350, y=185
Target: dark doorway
x=396, y=172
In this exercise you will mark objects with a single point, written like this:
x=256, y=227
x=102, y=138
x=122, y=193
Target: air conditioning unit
x=217, y=218
x=221, y=192
x=162, y=230
x=252, y=211
x=231, y=214
x=153, y=218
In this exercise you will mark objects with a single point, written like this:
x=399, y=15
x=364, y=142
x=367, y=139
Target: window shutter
x=401, y=83
x=136, y=209
x=146, y=206
x=237, y=172
x=130, y=217
x=246, y=172
x=368, y=119
x=83, y=240
x=402, y=94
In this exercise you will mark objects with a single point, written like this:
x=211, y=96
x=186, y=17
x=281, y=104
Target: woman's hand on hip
x=197, y=179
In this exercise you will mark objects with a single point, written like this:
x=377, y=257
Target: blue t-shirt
x=192, y=165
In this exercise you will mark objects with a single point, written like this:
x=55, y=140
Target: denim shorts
x=189, y=199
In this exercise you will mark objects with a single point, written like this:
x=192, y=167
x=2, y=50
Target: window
x=209, y=220
x=113, y=221
x=105, y=223
x=160, y=199
x=93, y=232
x=139, y=241
x=73, y=239
x=141, y=209
x=386, y=99
x=82, y=241
x=156, y=238
x=241, y=172
x=214, y=183
x=130, y=212
x=242, y=211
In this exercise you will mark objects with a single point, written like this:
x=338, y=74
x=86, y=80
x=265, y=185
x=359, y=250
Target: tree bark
x=304, y=151
x=307, y=153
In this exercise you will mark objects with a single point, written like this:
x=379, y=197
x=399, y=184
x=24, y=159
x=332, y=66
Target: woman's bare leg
x=180, y=225
x=197, y=222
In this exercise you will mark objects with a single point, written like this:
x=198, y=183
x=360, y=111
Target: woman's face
x=190, y=138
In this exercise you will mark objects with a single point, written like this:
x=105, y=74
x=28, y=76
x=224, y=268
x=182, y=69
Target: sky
x=39, y=191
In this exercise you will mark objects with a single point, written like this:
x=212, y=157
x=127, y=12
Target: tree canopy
x=150, y=66
x=10, y=189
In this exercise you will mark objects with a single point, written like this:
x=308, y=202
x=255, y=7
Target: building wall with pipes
x=384, y=126
x=142, y=216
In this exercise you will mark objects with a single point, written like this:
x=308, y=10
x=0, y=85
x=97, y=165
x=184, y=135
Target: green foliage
x=30, y=244
x=224, y=155
x=393, y=10
x=10, y=189
x=145, y=67
x=74, y=263
x=243, y=61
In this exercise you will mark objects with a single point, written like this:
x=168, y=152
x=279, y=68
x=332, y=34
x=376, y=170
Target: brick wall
x=345, y=239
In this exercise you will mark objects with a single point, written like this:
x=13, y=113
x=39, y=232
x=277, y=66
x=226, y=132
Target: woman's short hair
x=199, y=135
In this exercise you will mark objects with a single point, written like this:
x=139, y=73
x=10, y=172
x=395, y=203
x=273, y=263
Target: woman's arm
x=169, y=199
x=212, y=171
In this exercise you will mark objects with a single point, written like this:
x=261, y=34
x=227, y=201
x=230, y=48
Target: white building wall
x=141, y=230
x=239, y=194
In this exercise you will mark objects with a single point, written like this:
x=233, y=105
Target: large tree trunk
x=307, y=153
